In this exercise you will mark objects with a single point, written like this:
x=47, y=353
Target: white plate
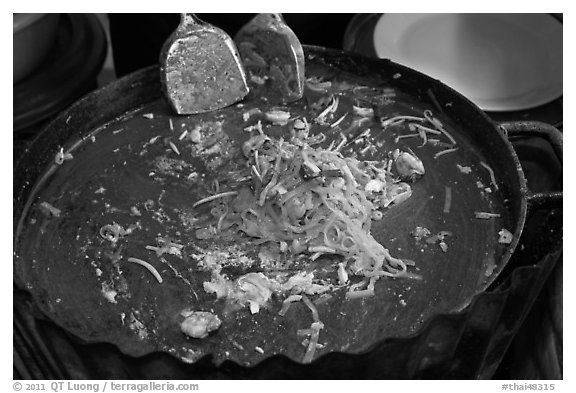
x=501, y=62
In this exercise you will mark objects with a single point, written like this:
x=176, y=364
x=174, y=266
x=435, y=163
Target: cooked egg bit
x=408, y=165
x=198, y=324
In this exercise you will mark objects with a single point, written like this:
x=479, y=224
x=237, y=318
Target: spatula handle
x=278, y=17
x=267, y=19
x=187, y=19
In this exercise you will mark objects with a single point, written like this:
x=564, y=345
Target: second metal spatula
x=200, y=68
x=273, y=58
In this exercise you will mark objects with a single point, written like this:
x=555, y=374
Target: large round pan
x=450, y=280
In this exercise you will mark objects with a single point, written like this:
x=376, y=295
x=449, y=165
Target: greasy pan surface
x=66, y=265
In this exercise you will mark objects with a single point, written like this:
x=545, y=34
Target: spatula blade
x=273, y=58
x=200, y=68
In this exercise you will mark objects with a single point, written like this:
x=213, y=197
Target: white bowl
x=501, y=62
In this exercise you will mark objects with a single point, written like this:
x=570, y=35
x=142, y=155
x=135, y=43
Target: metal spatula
x=200, y=68
x=273, y=58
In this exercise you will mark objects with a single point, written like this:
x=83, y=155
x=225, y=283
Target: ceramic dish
x=502, y=62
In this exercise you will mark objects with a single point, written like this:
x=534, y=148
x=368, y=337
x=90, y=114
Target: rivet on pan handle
x=532, y=129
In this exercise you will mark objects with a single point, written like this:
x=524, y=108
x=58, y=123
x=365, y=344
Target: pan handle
x=531, y=129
